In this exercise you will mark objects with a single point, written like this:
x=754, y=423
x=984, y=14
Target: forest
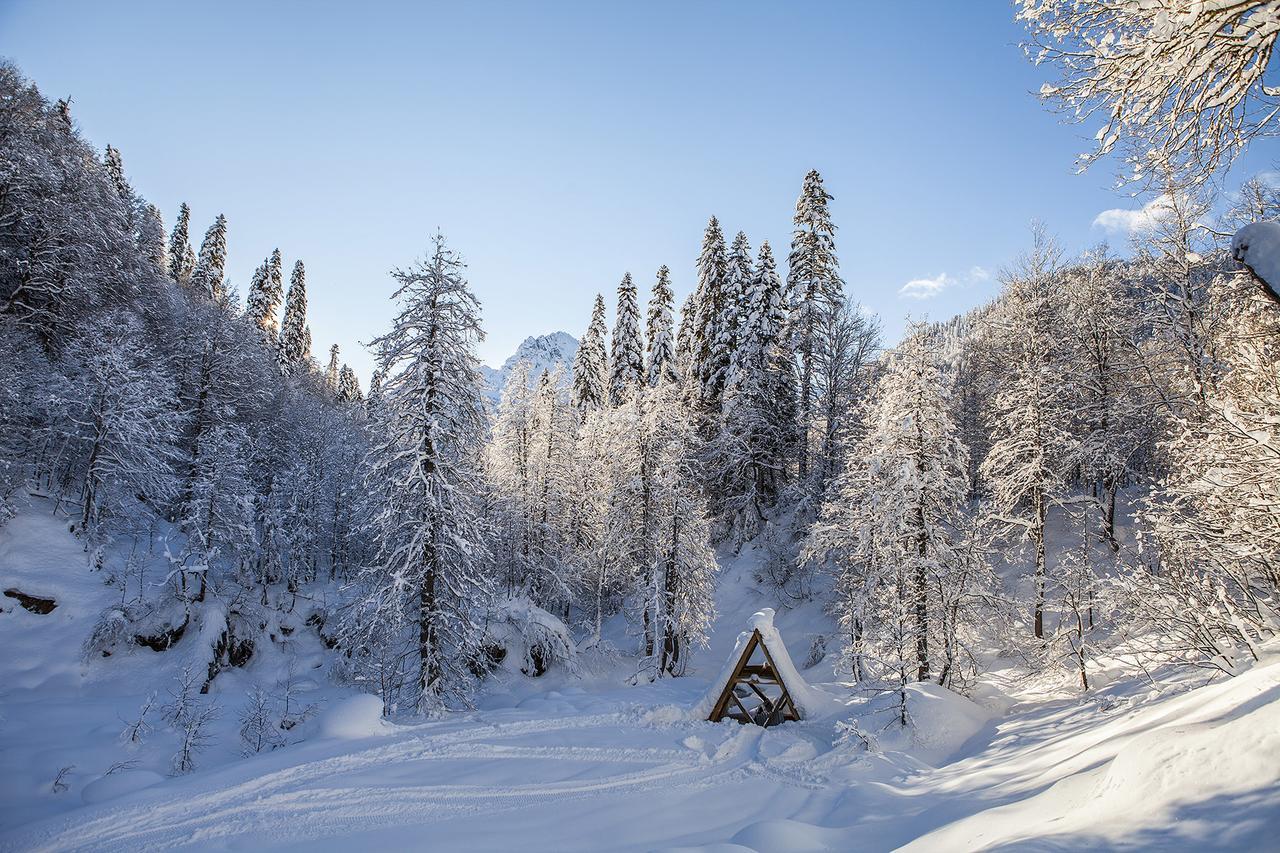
x=1079, y=475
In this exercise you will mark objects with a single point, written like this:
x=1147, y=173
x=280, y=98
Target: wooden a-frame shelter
x=755, y=692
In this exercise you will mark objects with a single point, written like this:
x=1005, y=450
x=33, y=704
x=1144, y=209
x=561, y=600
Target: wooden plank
x=722, y=703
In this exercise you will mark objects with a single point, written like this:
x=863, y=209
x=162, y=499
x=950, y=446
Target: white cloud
x=926, y=288
x=1119, y=220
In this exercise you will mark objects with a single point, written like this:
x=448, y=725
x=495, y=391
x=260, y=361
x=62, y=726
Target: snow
x=1257, y=245
x=586, y=761
x=353, y=718
x=543, y=352
x=118, y=784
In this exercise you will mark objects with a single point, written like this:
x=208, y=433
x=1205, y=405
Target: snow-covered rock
x=1257, y=246
x=543, y=352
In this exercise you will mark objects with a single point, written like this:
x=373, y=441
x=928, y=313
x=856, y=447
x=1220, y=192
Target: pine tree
x=661, y=361
x=181, y=258
x=750, y=452
x=626, y=361
x=151, y=238
x=207, y=278
x=348, y=386
x=815, y=290
x=706, y=370
x=115, y=169
x=266, y=291
x=373, y=402
x=590, y=365
x=739, y=277
x=295, y=348
x=431, y=545
x=331, y=372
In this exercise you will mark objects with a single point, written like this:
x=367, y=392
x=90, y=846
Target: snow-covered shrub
x=532, y=639
x=112, y=630
x=259, y=728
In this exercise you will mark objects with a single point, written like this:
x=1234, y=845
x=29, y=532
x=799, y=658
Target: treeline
x=443, y=538
x=143, y=398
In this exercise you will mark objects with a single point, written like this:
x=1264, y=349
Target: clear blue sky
x=560, y=145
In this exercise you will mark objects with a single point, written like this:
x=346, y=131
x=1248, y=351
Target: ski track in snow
x=295, y=804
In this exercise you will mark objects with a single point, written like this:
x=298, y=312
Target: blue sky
x=560, y=145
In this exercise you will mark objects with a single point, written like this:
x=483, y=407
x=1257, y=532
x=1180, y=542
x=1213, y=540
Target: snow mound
x=791, y=835
x=356, y=717
x=810, y=702
x=118, y=784
x=941, y=719
x=1258, y=246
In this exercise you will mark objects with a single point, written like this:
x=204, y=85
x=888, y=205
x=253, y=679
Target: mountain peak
x=543, y=352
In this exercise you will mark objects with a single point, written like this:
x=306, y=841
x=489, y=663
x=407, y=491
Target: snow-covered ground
x=590, y=763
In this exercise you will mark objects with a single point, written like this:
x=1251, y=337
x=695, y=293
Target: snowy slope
x=543, y=352
x=590, y=763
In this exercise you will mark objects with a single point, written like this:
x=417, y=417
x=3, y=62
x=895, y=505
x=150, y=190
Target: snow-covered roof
x=1257, y=246
x=809, y=700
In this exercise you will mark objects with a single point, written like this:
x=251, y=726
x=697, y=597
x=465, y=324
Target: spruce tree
x=750, y=454
x=431, y=545
x=331, y=372
x=151, y=238
x=706, y=371
x=266, y=291
x=348, y=386
x=373, y=402
x=115, y=169
x=207, y=278
x=295, y=348
x=738, y=281
x=181, y=258
x=816, y=291
x=661, y=361
x=627, y=359
x=590, y=365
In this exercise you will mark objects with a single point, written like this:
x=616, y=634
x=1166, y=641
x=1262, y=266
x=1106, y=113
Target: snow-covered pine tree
x=151, y=239
x=661, y=361
x=266, y=292
x=115, y=170
x=374, y=401
x=207, y=277
x=295, y=347
x=181, y=257
x=750, y=453
x=332, y=370
x=739, y=275
x=815, y=289
x=706, y=371
x=591, y=364
x=626, y=361
x=348, y=386
x=428, y=579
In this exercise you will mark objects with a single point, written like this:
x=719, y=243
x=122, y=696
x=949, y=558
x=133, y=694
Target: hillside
x=564, y=761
